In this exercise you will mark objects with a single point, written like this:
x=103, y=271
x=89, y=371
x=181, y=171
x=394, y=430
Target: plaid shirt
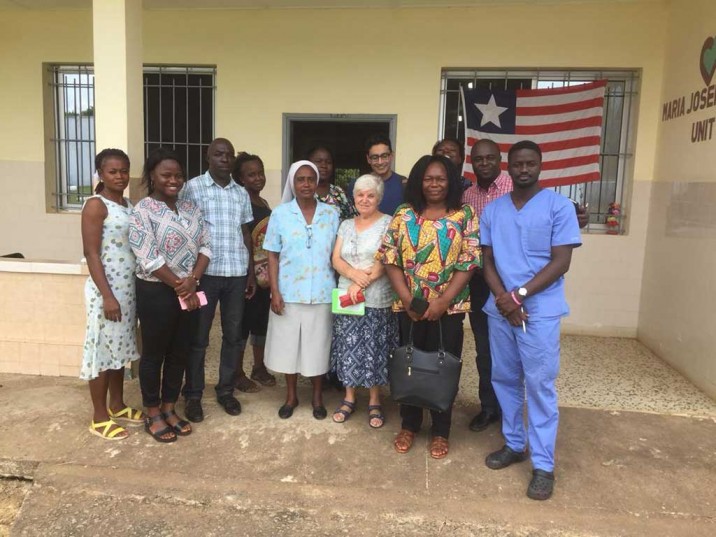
x=224, y=209
x=478, y=198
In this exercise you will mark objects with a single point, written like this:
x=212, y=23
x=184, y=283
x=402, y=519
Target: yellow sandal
x=130, y=415
x=107, y=432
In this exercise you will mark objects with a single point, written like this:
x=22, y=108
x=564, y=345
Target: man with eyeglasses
x=379, y=154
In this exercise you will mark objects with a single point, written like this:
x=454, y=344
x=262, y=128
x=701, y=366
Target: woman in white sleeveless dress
x=110, y=341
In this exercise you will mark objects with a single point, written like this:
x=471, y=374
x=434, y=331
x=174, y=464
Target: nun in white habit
x=299, y=242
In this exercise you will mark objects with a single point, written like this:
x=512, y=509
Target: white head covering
x=289, y=190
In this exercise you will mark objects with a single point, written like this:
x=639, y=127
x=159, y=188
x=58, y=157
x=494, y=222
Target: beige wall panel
x=676, y=314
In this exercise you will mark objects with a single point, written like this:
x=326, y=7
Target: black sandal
x=345, y=413
x=179, y=426
x=159, y=434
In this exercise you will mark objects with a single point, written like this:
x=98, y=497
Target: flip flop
x=107, y=432
x=128, y=414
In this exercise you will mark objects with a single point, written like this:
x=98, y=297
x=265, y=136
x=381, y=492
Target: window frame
x=58, y=190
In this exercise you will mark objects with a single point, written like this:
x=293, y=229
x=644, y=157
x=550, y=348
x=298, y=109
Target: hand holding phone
x=200, y=295
x=419, y=305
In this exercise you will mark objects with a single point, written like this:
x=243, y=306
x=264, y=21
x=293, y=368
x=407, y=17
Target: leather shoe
x=320, y=412
x=502, y=458
x=483, y=420
x=231, y=404
x=286, y=411
x=193, y=410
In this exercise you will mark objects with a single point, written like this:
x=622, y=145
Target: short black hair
x=524, y=144
x=104, y=155
x=376, y=139
x=154, y=158
x=241, y=159
x=414, y=189
x=317, y=147
x=458, y=143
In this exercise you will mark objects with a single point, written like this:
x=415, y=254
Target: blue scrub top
x=521, y=244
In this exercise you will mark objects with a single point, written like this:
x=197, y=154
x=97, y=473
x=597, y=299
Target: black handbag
x=424, y=379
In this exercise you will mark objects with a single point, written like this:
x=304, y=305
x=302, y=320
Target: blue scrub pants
x=527, y=361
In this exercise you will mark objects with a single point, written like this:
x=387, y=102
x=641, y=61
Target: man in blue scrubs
x=527, y=239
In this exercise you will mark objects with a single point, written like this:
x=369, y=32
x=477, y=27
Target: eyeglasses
x=309, y=236
x=376, y=158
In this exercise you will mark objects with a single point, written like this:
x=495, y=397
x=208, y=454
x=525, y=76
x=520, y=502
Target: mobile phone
x=419, y=305
x=199, y=294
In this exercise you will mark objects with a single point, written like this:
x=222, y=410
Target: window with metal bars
x=618, y=124
x=178, y=113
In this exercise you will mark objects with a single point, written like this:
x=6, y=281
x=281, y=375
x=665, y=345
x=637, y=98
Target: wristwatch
x=522, y=292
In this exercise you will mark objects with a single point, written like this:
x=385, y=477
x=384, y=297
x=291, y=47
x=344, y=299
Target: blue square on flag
x=491, y=111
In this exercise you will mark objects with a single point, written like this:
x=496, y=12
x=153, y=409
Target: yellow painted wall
x=678, y=291
x=389, y=61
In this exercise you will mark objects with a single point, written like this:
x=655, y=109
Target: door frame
x=289, y=118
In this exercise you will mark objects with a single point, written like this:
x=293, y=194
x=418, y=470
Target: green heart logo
x=708, y=60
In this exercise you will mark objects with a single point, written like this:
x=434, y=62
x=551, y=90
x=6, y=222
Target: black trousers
x=166, y=336
x=479, y=293
x=426, y=336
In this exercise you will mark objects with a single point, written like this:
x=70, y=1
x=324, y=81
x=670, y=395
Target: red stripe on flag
x=546, y=147
x=558, y=127
x=571, y=180
x=560, y=108
x=560, y=91
x=569, y=162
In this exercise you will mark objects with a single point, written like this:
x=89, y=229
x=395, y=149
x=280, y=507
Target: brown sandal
x=403, y=441
x=439, y=447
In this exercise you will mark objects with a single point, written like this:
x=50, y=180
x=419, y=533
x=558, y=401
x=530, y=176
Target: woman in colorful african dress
x=361, y=344
x=110, y=341
x=430, y=251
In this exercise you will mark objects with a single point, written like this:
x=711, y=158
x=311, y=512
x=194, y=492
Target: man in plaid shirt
x=228, y=280
x=491, y=184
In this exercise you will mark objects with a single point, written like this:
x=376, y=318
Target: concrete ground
x=619, y=471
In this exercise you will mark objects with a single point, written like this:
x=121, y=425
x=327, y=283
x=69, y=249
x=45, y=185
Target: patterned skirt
x=360, y=347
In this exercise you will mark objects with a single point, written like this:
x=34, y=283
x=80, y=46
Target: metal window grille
x=178, y=113
x=619, y=105
x=74, y=135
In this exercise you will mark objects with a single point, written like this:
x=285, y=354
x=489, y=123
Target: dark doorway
x=345, y=135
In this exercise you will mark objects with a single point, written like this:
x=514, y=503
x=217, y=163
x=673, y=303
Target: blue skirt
x=361, y=345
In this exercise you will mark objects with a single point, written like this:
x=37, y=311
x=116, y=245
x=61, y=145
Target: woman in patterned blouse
x=429, y=251
x=172, y=246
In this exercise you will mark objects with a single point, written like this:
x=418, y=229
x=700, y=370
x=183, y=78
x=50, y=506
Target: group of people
x=420, y=252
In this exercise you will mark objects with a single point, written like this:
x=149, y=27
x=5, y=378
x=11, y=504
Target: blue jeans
x=230, y=293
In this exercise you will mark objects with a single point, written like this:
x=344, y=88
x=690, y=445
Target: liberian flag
x=565, y=122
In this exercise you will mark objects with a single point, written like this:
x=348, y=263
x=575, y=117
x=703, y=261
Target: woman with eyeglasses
x=299, y=242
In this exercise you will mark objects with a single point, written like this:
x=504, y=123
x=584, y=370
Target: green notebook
x=355, y=309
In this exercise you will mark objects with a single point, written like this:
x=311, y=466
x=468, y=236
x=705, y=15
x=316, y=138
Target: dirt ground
x=12, y=493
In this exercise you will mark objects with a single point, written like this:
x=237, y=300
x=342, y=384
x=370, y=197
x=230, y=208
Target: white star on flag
x=490, y=112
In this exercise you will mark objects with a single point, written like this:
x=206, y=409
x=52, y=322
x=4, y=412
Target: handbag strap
x=441, y=345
